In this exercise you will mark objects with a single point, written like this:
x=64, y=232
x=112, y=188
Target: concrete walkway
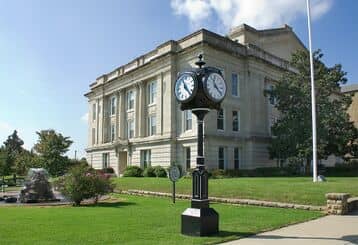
x=326, y=230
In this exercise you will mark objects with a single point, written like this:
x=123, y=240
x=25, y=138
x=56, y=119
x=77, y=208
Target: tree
x=25, y=161
x=51, y=147
x=3, y=163
x=292, y=133
x=14, y=148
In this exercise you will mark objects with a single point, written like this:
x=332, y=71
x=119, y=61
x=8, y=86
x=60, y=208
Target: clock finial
x=200, y=62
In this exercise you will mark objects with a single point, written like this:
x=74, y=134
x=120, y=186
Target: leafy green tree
x=25, y=161
x=3, y=164
x=14, y=148
x=292, y=135
x=51, y=147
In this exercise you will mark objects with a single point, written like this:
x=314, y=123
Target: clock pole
x=200, y=219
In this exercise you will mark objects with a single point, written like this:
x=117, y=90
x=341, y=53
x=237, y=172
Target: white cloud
x=257, y=13
x=84, y=118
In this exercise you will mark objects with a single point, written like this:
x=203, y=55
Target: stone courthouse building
x=134, y=118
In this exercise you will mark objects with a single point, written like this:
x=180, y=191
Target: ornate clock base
x=199, y=222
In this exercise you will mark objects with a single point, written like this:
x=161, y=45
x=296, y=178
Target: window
x=152, y=92
x=272, y=99
x=152, y=125
x=188, y=120
x=93, y=112
x=93, y=136
x=113, y=105
x=236, y=158
x=130, y=128
x=130, y=100
x=105, y=160
x=187, y=157
x=220, y=120
x=235, y=121
x=113, y=132
x=146, y=158
x=235, y=86
x=221, y=157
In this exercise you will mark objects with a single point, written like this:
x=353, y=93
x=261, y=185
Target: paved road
x=326, y=231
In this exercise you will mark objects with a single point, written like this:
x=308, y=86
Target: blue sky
x=50, y=51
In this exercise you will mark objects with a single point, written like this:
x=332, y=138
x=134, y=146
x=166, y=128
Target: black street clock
x=200, y=90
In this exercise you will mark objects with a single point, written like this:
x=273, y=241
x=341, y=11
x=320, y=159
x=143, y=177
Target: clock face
x=185, y=87
x=215, y=86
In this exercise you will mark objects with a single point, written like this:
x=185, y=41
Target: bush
x=160, y=172
x=349, y=169
x=81, y=183
x=108, y=170
x=217, y=174
x=149, y=172
x=133, y=171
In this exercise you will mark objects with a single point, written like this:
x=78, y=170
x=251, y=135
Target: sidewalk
x=326, y=230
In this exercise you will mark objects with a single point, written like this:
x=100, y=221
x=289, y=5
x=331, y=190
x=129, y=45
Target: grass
x=299, y=190
x=134, y=220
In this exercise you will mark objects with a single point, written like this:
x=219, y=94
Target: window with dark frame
x=105, y=160
x=236, y=158
x=130, y=100
x=146, y=158
x=152, y=125
x=221, y=158
x=152, y=92
x=235, y=121
x=187, y=157
x=113, y=132
x=113, y=106
x=130, y=128
x=188, y=120
x=220, y=119
x=234, y=85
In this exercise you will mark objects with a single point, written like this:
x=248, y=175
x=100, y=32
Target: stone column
x=117, y=115
x=122, y=114
x=140, y=111
x=102, y=120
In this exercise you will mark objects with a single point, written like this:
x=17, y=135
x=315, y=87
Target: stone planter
x=337, y=203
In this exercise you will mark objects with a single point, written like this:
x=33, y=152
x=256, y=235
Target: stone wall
x=337, y=203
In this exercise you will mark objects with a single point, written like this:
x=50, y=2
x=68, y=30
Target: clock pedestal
x=200, y=219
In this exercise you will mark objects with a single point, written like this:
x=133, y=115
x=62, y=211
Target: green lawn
x=134, y=220
x=299, y=190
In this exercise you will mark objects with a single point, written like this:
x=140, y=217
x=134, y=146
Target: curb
x=227, y=200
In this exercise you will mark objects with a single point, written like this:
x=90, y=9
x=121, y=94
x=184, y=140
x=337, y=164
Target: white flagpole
x=313, y=96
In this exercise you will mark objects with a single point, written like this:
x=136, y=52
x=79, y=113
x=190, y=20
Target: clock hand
x=216, y=87
x=186, y=88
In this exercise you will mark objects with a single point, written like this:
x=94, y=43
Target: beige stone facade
x=353, y=108
x=135, y=118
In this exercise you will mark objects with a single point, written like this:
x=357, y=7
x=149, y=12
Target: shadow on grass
x=117, y=204
x=227, y=234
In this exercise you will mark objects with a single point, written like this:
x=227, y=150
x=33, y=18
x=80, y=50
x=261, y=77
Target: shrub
x=217, y=174
x=133, y=171
x=189, y=172
x=82, y=183
x=160, y=172
x=149, y=172
x=108, y=170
